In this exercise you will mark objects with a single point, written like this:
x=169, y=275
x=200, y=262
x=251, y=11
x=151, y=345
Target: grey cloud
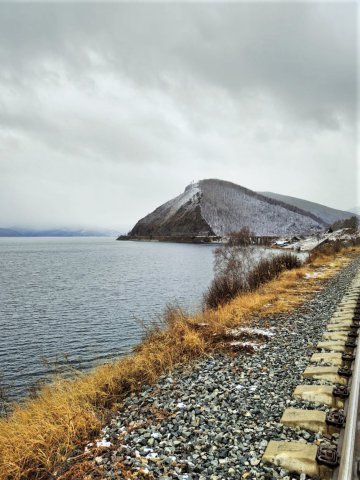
x=157, y=94
x=295, y=51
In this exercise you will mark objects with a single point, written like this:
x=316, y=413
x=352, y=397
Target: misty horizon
x=122, y=229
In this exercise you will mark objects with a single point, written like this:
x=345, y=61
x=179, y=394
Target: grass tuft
x=42, y=432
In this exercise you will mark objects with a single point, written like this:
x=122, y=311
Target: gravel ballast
x=213, y=420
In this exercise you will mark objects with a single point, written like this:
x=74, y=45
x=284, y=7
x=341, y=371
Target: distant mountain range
x=8, y=232
x=214, y=208
x=25, y=232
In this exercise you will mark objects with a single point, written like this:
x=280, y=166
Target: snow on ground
x=227, y=207
x=309, y=243
x=176, y=203
x=240, y=331
x=166, y=211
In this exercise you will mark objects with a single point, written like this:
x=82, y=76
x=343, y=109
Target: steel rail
x=347, y=461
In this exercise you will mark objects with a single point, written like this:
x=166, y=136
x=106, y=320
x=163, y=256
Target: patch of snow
x=179, y=201
x=152, y=455
x=309, y=243
x=255, y=346
x=237, y=332
x=148, y=450
x=167, y=210
x=312, y=275
x=103, y=443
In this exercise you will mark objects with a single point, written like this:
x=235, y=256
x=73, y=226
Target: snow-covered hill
x=227, y=207
x=180, y=216
x=327, y=214
x=216, y=207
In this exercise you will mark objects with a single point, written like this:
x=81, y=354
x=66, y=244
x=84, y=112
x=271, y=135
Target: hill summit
x=214, y=208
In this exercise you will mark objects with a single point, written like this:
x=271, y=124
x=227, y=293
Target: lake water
x=84, y=297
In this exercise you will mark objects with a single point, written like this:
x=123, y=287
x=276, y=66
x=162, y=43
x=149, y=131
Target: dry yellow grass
x=41, y=433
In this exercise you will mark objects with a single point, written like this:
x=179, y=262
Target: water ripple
x=84, y=297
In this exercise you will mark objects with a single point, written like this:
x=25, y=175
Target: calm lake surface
x=84, y=297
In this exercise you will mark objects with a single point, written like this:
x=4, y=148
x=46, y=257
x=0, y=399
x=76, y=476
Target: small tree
x=352, y=223
x=242, y=238
x=232, y=261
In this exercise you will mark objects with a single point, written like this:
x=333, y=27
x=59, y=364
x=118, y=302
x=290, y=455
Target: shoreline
x=214, y=420
x=91, y=304
x=37, y=437
x=258, y=241
x=172, y=239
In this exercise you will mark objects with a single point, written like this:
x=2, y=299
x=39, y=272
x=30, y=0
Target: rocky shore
x=213, y=420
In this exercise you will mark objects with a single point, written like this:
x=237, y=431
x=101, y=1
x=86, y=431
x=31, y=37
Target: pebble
x=198, y=424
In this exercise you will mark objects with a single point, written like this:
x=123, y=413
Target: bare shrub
x=235, y=272
x=234, y=257
x=352, y=223
x=355, y=242
x=328, y=248
x=232, y=261
x=268, y=269
x=222, y=289
x=241, y=238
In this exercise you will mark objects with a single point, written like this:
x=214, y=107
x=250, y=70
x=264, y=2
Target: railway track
x=333, y=379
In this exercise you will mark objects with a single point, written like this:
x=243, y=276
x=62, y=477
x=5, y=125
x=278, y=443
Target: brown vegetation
x=352, y=223
x=43, y=432
x=235, y=279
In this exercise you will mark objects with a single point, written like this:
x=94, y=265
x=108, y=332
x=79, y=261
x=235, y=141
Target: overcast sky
x=107, y=111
